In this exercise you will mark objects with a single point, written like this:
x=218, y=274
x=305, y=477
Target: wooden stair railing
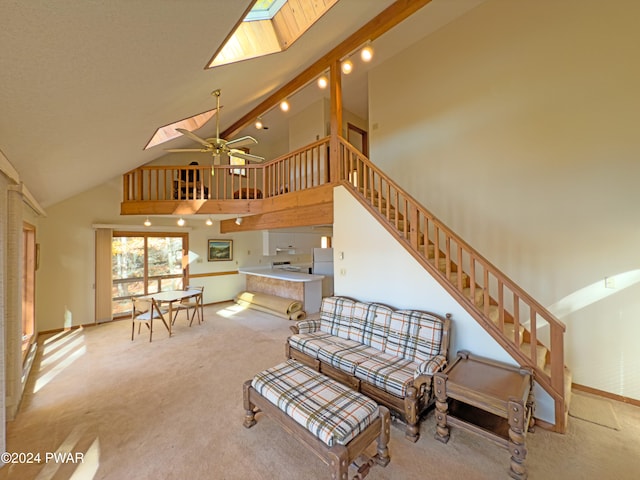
x=523, y=327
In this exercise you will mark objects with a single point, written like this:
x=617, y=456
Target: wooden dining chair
x=194, y=303
x=146, y=310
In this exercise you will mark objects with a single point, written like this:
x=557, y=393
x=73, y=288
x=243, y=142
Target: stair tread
x=509, y=328
x=541, y=353
x=478, y=294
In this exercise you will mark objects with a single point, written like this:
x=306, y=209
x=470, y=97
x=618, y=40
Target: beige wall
x=65, y=293
x=517, y=126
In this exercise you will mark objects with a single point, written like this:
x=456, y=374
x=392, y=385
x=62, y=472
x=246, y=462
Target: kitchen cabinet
x=296, y=243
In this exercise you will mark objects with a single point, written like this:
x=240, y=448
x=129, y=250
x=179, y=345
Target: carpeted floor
x=593, y=409
x=172, y=409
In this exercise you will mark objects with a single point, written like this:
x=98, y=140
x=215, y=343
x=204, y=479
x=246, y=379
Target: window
x=146, y=263
x=169, y=132
x=270, y=26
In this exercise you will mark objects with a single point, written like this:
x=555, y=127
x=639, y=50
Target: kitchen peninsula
x=304, y=287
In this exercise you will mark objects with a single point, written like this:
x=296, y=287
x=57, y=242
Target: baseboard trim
x=602, y=393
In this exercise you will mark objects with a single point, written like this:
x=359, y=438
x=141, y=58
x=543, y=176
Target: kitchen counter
x=290, y=276
x=304, y=287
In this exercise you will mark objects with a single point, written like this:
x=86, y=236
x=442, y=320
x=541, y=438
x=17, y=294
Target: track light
x=259, y=124
x=147, y=222
x=181, y=222
x=209, y=222
x=347, y=66
x=366, y=54
x=239, y=221
x=323, y=81
x=284, y=106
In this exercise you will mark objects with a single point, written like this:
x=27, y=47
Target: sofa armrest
x=431, y=366
x=309, y=325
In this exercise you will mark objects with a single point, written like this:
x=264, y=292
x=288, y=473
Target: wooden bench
x=337, y=423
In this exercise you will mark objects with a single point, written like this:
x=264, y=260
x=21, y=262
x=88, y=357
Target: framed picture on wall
x=220, y=250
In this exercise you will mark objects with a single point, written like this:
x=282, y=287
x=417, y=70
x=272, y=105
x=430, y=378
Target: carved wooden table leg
x=442, y=407
x=339, y=462
x=517, y=448
x=412, y=432
x=531, y=408
x=249, y=416
x=382, y=456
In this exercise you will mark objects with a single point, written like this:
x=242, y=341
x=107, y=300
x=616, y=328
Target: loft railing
x=301, y=169
x=487, y=293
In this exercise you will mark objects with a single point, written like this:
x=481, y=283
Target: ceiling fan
x=216, y=145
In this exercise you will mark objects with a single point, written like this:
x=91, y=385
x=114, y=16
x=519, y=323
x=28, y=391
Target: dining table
x=169, y=297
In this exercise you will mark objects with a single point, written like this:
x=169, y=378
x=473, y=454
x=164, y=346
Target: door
x=359, y=138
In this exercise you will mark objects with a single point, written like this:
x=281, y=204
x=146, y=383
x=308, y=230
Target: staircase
x=523, y=327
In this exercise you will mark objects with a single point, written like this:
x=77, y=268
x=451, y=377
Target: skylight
x=271, y=26
x=264, y=10
x=168, y=132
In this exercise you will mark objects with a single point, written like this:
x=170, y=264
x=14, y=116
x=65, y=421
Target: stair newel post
x=557, y=374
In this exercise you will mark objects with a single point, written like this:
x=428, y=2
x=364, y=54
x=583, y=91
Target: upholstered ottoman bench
x=337, y=423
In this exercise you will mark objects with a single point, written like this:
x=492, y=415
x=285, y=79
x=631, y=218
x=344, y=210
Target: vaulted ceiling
x=85, y=83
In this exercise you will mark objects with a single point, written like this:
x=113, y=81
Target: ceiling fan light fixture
x=323, y=81
x=347, y=66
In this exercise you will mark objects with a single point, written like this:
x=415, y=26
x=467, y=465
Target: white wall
x=370, y=265
x=516, y=125
x=307, y=126
x=65, y=294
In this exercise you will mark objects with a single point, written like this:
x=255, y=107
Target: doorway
x=29, y=267
x=359, y=138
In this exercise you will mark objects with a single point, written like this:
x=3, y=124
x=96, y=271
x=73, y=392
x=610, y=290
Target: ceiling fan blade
x=177, y=150
x=245, y=156
x=241, y=142
x=194, y=137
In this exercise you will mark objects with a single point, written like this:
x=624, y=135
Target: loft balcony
x=296, y=185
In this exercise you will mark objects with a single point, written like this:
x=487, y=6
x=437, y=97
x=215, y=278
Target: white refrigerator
x=323, y=265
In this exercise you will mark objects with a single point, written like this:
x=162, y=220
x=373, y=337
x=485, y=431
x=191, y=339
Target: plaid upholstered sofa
x=388, y=355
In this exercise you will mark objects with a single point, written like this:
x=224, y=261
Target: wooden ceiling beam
x=383, y=22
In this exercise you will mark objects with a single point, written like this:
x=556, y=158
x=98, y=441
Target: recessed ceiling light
x=347, y=67
x=323, y=81
x=366, y=53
